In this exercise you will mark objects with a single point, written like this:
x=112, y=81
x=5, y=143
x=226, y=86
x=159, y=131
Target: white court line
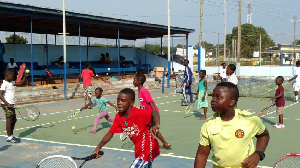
x=115, y=149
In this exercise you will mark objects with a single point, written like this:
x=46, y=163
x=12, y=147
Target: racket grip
x=94, y=156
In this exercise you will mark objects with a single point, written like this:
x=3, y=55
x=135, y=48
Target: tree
x=297, y=42
x=16, y=39
x=250, y=39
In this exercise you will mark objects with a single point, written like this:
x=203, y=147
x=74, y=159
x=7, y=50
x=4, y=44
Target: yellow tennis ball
x=108, y=69
x=73, y=127
x=27, y=71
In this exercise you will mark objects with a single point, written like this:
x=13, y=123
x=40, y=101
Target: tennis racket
x=104, y=80
x=123, y=136
x=75, y=114
x=60, y=161
x=178, y=90
x=289, y=160
x=266, y=110
x=189, y=107
x=271, y=89
x=28, y=113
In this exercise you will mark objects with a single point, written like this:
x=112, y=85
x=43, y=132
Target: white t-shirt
x=233, y=79
x=297, y=72
x=223, y=72
x=11, y=66
x=9, y=91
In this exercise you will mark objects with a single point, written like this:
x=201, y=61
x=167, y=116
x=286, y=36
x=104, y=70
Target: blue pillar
x=148, y=53
x=187, y=45
x=31, y=52
x=87, y=48
x=161, y=48
x=47, y=49
x=163, y=83
x=172, y=51
x=168, y=74
x=199, y=58
x=79, y=51
x=118, y=53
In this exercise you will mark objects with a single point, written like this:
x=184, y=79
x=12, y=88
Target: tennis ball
x=108, y=69
x=27, y=71
x=73, y=127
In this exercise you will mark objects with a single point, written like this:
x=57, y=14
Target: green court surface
x=180, y=130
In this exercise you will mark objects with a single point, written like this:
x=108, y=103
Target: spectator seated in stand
x=102, y=59
x=107, y=59
x=12, y=65
x=122, y=62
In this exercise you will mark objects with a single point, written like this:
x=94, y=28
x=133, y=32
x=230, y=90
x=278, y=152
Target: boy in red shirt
x=147, y=102
x=280, y=101
x=86, y=76
x=136, y=124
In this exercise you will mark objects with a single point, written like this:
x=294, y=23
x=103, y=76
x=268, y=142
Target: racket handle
x=94, y=156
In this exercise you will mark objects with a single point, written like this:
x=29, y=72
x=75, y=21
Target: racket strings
x=288, y=162
x=59, y=162
x=30, y=112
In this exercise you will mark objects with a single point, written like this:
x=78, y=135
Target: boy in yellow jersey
x=230, y=132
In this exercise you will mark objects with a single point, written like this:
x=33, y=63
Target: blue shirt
x=188, y=75
x=101, y=103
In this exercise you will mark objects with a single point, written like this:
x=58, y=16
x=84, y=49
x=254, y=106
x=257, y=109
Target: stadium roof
x=17, y=17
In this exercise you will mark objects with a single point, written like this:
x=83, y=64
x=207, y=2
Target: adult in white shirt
x=296, y=85
x=230, y=74
x=12, y=64
x=222, y=72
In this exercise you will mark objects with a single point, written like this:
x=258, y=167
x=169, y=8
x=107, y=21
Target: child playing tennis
x=280, y=101
x=136, y=124
x=103, y=111
x=202, y=93
x=230, y=74
x=86, y=76
x=147, y=102
x=230, y=132
x=296, y=85
x=7, y=95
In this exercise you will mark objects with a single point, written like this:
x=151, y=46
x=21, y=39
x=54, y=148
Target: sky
x=273, y=15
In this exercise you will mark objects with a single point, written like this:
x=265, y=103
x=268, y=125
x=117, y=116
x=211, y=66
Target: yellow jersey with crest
x=231, y=141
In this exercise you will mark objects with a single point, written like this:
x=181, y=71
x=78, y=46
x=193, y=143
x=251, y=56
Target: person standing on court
x=187, y=82
x=2, y=66
x=222, y=72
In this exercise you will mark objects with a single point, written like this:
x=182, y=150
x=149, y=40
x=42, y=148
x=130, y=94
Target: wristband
x=261, y=155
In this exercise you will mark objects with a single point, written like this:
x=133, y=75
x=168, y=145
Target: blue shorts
x=139, y=163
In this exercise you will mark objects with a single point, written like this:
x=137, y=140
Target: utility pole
x=259, y=49
x=201, y=22
x=169, y=44
x=232, y=47
x=238, y=64
x=224, y=30
x=218, y=50
x=295, y=22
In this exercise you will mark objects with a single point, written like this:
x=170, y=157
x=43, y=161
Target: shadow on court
x=265, y=120
x=4, y=148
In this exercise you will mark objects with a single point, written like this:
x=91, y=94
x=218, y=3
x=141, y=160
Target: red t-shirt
x=280, y=102
x=136, y=127
x=145, y=99
x=87, y=74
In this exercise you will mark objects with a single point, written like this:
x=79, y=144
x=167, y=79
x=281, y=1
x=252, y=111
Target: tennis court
x=52, y=133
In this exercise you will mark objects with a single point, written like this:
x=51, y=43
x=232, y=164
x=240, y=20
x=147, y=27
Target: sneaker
x=281, y=126
x=14, y=140
x=296, y=100
x=276, y=125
